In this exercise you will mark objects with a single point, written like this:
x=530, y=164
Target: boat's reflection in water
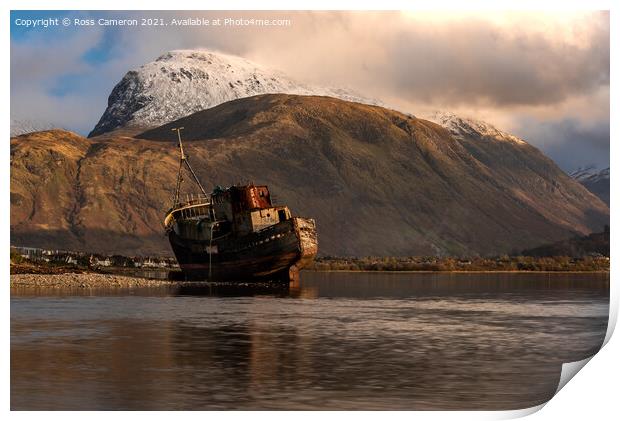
x=240, y=288
x=248, y=289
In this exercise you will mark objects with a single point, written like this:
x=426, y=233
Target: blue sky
x=100, y=52
x=540, y=76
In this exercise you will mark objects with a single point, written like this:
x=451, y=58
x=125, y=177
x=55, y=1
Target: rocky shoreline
x=94, y=280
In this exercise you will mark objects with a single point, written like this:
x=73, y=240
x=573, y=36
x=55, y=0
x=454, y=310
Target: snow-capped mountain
x=19, y=127
x=595, y=180
x=182, y=82
x=461, y=127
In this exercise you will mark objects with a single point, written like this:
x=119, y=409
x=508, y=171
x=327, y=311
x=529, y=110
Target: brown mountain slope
x=44, y=194
x=378, y=182
x=112, y=194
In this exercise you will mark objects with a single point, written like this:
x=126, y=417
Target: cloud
x=491, y=60
x=571, y=143
x=474, y=62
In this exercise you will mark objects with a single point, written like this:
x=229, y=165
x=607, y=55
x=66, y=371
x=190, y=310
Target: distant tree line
x=449, y=264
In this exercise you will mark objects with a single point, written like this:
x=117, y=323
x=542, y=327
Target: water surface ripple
x=336, y=341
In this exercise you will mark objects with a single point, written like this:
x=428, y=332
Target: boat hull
x=274, y=253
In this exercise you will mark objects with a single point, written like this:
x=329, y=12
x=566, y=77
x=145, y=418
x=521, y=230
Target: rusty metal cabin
x=249, y=208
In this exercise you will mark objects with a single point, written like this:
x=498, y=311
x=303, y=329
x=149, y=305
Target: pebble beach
x=86, y=280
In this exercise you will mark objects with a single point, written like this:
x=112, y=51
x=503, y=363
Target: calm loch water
x=336, y=341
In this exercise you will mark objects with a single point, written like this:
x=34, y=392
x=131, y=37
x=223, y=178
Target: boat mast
x=183, y=160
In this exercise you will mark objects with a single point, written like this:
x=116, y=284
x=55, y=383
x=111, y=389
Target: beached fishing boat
x=236, y=233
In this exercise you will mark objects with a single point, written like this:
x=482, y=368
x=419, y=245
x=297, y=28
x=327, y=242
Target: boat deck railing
x=194, y=206
x=191, y=199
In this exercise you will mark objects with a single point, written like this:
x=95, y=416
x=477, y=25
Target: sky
x=543, y=76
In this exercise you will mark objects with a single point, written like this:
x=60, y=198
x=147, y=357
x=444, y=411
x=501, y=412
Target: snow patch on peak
x=590, y=174
x=462, y=127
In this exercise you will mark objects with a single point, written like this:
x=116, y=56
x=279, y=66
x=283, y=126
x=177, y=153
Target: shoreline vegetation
x=595, y=263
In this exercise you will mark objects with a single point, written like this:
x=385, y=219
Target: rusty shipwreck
x=236, y=233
